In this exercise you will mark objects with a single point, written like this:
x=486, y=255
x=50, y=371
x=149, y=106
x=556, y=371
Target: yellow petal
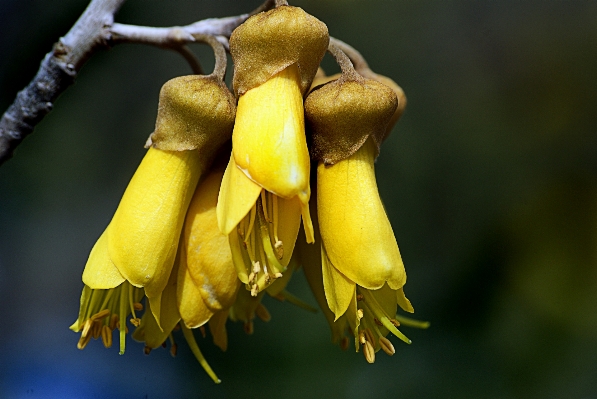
x=354, y=226
x=144, y=233
x=339, y=290
x=217, y=327
x=289, y=222
x=151, y=332
x=268, y=141
x=403, y=301
x=192, y=309
x=238, y=195
x=100, y=272
x=208, y=258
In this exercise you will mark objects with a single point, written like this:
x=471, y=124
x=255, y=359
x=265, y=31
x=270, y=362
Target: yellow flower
x=265, y=188
x=362, y=269
x=138, y=247
x=207, y=281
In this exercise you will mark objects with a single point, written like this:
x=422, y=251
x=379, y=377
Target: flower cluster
x=210, y=220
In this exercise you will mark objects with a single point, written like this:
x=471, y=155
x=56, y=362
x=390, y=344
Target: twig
x=95, y=29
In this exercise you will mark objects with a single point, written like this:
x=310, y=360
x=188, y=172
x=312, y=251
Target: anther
x=395, y=322
x=386, y=346
x=256, y=267
x=376, y=320
x=362, y=338
x=369, y=336
x=113, y=322
x=344, y=343
x=100, y=315
x=147, y=350
x=96, y=329
x=136, y=321
x=106, y=336
x=138, y=306
x=86, y=327
x=262, y=312
x=173, y=350
x=278, y=275
x=202, y=329
x=360, y=314
x=254, y=290
x=360, y=297
x=279, y=247
x=83, y=341
x=248, y=327
x=369, y=352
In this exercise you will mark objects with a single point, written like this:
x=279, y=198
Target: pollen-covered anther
x=135, y=321
x=279, y=247
x=360, y=314
x=369, y=352
x=386, y=346
x=254, y=290
x=369, y=336
x=278, y=275
x=362, y=338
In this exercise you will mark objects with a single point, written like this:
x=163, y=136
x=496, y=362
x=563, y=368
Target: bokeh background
x=489, y=179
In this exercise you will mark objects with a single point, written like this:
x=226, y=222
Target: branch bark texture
x=95, y=29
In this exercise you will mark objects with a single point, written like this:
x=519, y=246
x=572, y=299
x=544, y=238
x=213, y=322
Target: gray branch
x=95, y=29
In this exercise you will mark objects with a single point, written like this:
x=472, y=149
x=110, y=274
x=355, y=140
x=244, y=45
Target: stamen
x=147, y=350
x=378, y=322
x=107, y=336
x=395, y=322
x=138, y=306
x=369, y=352
x=369, y=337
x=360, y=297
x=386, y=346
x=360, y=314
x=173, y=346
x=362, y=338
x=251, y=222
x=264, y=203
x=344, y=343
x=86, y=327
x=188, y=334
x=96, y=329
x=407, y=321
x=100, y=315
x=202, y=329
x=83, y=341
x=262, y=312
x=114, y=322
x=135, y=321
x=248, y=327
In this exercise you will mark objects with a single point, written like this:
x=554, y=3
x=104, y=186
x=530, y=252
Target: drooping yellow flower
x=363, y=273
x=265, y=189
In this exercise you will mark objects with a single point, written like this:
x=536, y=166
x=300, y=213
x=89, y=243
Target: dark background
x=489, y=179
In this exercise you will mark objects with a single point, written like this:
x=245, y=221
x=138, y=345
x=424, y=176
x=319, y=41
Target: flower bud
x=269, y=42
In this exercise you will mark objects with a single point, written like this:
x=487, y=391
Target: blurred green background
x=489, y=180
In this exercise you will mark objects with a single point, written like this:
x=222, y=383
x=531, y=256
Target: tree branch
x=95, y=29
